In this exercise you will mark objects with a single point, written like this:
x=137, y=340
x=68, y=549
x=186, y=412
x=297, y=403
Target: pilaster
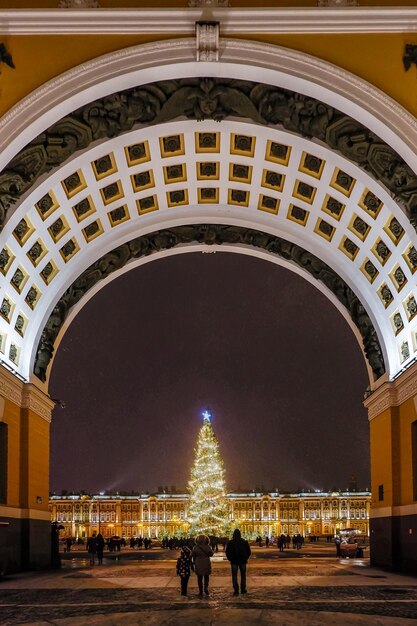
x=392, y=409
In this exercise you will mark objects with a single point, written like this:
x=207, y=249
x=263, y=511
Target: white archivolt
x=239, y=59
x=246, y=60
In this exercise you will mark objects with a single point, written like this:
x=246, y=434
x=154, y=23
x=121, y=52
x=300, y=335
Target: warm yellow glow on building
x=161, y=514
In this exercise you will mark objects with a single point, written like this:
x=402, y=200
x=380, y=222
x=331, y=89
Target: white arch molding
x=247, y=60
x=239, y=59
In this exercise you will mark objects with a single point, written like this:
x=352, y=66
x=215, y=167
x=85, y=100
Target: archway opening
x=265, y=349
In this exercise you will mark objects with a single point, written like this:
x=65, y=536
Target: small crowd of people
x=316, y=538
x=175, y=543
x=140, y=542
x=282, y=541
x=114, y=544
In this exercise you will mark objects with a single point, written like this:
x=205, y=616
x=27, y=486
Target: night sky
x=274, y=360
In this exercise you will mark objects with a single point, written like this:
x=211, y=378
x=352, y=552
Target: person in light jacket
x=202, y=564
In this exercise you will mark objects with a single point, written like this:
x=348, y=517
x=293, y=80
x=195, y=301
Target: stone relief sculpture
x=5, y=56
x=410, y=56
x=209, y=98
x=208, y=234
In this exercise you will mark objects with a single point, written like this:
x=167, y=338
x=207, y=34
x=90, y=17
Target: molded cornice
x=25, y=395
x=393, y=393
x=232, y=20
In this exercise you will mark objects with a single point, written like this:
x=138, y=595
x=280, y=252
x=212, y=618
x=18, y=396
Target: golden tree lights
x=208, y=511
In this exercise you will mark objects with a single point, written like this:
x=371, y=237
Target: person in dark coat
x=184, y=567
x=202, y=564
x=100, y=548
x=238, y=552
x=92, y=547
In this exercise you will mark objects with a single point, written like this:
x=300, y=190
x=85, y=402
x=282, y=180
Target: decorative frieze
x=10, y=387
x=37, y=401
x=392, y=393
x=25, y=395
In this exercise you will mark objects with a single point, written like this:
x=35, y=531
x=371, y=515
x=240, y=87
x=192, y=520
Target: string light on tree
x=208, y=511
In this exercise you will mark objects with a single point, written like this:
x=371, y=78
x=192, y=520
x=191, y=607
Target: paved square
x=310, y=587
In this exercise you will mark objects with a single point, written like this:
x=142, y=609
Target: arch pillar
x=25, y=521
x=392, y=411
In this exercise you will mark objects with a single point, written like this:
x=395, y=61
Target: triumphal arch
x=133, y=133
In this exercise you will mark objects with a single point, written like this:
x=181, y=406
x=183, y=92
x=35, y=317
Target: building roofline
x=179, y=495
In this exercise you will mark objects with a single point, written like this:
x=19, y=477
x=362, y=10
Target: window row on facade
x=162, y=514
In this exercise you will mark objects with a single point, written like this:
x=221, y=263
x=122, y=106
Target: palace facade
x=160, y=514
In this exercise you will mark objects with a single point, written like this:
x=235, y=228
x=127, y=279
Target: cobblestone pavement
x=325, y=592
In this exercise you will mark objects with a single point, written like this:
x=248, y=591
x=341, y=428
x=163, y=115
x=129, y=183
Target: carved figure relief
x=405, y=351
x=5, y=56
x=398, y=322
x=209, y=98
x=410, y=56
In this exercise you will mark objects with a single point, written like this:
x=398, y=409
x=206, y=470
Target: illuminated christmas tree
x=208, y=511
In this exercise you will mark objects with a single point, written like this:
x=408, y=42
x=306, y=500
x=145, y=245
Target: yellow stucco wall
x=35, y=463
x=376, y=58
x=381, y=458
x=391, y=455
